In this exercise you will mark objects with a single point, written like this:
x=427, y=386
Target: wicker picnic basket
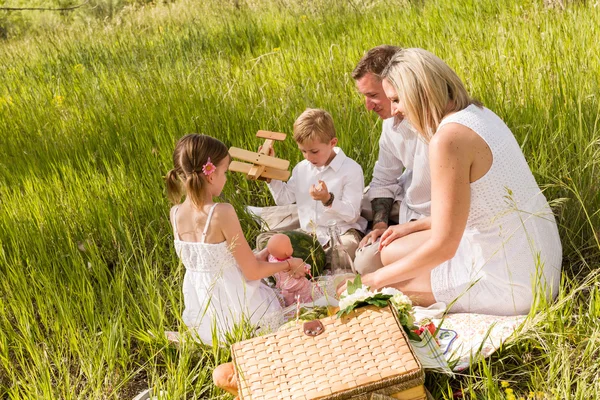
x=364, y=355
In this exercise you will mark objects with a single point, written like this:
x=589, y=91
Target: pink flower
x=208, y=168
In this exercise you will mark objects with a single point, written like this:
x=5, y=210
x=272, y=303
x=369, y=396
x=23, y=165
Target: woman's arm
x=450, y=159
x=252, y=268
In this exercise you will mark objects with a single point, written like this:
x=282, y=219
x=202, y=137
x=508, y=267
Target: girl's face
x=218, y=178
x=398, y=110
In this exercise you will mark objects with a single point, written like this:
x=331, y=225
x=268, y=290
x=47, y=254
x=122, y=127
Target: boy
x=327, y=185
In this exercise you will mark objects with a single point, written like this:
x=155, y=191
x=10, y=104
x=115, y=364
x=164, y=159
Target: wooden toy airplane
x=260, y=165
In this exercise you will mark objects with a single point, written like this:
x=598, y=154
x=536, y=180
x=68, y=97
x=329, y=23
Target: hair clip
x=208, y=168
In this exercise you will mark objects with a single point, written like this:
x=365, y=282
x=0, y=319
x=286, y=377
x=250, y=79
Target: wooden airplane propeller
x=260, y=165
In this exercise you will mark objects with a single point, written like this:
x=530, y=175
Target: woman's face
x=398, y=110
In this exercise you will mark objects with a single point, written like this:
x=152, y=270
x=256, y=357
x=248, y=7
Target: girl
x=222, y=284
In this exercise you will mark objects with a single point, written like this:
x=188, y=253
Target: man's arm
x=382, y=207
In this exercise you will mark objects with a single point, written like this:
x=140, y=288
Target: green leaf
x=353, y=286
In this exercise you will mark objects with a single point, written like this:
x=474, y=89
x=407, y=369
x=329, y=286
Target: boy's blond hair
x=314, y=124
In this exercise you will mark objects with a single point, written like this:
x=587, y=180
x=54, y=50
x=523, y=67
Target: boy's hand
x=271, y=154
x=319, y=192
x=271, y=151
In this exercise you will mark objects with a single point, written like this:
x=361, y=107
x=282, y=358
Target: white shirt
x=343, y=177
x=401, y=148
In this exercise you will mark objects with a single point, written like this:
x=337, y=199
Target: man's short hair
x=375, y=61
x=314, y=124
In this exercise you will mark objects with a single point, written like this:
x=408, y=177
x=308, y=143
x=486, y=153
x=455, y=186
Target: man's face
x=375, y=100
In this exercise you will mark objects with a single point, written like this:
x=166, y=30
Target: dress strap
x=174, y=222
x=210, y=213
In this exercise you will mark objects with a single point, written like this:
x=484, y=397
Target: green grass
x=89, y=115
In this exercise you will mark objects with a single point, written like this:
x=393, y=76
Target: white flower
x=400, y=299
x=361, y=294
x=390, y=291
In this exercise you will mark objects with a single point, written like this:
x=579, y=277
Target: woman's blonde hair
x=427, y=88
x=191, y=154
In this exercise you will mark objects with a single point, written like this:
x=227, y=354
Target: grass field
x=89, y=114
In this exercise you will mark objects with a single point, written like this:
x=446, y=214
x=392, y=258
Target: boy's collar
x=338, y=160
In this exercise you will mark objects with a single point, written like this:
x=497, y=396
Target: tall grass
x=89, y=116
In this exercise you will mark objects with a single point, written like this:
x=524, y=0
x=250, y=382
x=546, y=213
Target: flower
x=361, y=294
x=208, y=168
x=505, y=384
x=390, y=291
x=79, y=68
x=400, y=299
x=58, y=100
x=276, y=49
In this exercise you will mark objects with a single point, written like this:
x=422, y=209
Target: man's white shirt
x=343, y=177
x=402, y=170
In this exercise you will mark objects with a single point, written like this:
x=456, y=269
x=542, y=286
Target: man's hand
x=372, y=236
x=319, y=192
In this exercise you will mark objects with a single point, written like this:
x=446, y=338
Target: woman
x=492, y=240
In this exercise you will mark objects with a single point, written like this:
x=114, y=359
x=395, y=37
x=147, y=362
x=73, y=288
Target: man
x=401, y=174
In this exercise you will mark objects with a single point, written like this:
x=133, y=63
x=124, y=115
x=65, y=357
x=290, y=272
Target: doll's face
x=280, y=246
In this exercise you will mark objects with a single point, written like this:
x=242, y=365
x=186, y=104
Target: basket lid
x=358, y=353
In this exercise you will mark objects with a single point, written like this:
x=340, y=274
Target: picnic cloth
x=466, y=338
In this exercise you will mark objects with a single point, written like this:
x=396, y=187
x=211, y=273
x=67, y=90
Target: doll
x=280, y=249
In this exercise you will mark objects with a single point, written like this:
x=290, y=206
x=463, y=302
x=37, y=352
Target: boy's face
x=370, y=87
x=317, y=152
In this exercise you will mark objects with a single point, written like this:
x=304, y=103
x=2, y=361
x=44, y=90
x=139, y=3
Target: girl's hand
x=297, y=267
x=262, y=255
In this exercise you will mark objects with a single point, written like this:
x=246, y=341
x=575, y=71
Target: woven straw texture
x=361, y=353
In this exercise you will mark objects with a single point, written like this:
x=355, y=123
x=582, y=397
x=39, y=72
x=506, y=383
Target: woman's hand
x=371, y=237
x=341, y=287
x=369, y=280
x=394, y=232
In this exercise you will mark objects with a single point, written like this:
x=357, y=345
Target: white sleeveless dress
x=215, y=292
x=511, y=235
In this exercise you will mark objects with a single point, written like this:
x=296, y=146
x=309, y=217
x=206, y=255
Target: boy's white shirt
x=343, y=177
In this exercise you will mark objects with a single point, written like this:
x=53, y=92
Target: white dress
x=511, y=235
x=215, y=292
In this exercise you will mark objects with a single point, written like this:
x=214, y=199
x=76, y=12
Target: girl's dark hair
x=190, y=156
